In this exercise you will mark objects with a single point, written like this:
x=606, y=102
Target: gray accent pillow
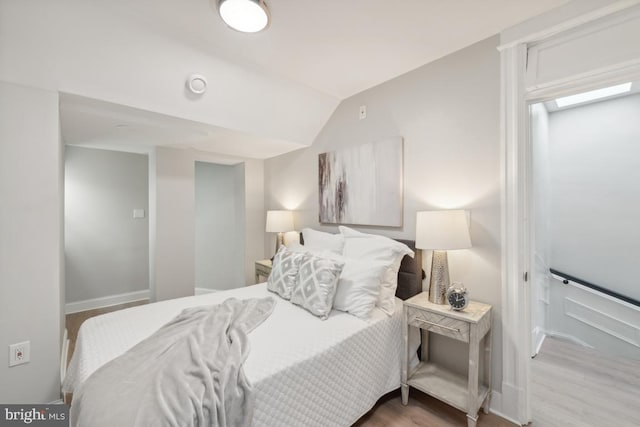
x=284, y=272
x=316, y=284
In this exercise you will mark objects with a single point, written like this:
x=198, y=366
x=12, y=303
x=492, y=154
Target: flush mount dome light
x=247, y=16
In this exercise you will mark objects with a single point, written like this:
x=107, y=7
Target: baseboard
x=496, y=406
x=505, y=404
x=202, y=291
x=91, y=304
x=540, y=335
x=64, y=355
x=570, y=338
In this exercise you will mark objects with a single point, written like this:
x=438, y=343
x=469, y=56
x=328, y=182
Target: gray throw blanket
x=188, y=373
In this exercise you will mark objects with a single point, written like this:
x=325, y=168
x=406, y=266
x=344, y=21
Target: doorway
x=543, y=62
x=585, y=307
x=219, y=226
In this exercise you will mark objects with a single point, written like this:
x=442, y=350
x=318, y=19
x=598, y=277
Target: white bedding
x=305, y=371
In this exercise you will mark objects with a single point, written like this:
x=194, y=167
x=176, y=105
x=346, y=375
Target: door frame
x=516, y=206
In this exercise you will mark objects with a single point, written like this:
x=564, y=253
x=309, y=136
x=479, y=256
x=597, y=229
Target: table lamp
x=279, y=222
x=441, y=231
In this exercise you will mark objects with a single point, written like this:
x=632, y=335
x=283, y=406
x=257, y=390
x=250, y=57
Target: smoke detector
x=197, y=84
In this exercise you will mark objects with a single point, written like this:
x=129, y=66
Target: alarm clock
x=457, y=296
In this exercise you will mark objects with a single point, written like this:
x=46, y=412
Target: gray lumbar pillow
x=284, y=272
x=316, y=284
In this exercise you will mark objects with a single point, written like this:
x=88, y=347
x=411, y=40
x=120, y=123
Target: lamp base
x=439, y=282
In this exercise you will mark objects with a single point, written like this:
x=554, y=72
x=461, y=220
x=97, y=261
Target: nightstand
x=470, y=325
x=263, y=268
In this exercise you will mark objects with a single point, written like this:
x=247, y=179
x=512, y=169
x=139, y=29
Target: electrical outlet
x=19, y=353
x=363, y=112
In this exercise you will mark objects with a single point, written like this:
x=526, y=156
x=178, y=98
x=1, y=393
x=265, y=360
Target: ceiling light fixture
x=593, y=95
x=247, y=16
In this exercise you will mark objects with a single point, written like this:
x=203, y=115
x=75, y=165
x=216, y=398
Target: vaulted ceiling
x=268, y=93
x=341, y=47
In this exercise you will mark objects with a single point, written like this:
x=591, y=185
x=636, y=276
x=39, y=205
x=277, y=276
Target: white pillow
x=319, y=241
x=378, y=248
x=359, y=286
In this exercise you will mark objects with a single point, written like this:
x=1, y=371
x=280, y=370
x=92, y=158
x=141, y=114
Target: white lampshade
x=247, y=16
x=279, y=221
x=442, y=230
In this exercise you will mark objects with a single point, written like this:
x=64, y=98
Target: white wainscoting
x=595, y=319
x=602, y=321
x=91, y=304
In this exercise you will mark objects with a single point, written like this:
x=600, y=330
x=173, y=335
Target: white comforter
x=304, y=371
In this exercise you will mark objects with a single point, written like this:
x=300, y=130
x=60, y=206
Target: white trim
x=515, y=304
x=595, y=292
x=570, y=24
x=91, y=304
x=56, y=402
x=597, y=319
x=539, y=339
x=64, y=355
x=496, y=407
x=515, y=159
x=202, y=291
x=566, y=337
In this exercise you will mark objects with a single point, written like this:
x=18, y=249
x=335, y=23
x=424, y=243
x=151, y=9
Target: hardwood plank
x=422, y=410
x=577, y=386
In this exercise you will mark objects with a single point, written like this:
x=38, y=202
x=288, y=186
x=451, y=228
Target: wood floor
x=573, y=386
x=422, y=410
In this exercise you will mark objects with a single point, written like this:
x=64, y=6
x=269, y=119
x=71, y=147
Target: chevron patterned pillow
x=316, y=284
x=284, y=272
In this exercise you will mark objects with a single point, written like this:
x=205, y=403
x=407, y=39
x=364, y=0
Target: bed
x=304, y=371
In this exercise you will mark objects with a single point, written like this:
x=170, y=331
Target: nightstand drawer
x=439, y=324
x=263, y=270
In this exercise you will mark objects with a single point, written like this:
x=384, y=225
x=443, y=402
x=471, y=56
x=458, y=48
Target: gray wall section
x=107, y=250
x=219, y=223
x=448, y=114
x=595, y=206
x=174, y=219
x=31, y=267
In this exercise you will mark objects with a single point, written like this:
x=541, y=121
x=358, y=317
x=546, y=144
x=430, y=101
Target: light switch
x=138, y=213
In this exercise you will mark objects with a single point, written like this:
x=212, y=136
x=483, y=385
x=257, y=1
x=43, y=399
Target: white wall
x=255, y=216
x=173, y=261
x=541, y=224
x=250, y=171
x=219, y=225
x=448, y=114
x=31, y=266
x=595, y=206
x=172, y=218
x=130, y=60
x=106, y=249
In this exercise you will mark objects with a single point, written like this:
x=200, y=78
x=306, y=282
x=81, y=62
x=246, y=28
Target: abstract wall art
x=362, y=185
